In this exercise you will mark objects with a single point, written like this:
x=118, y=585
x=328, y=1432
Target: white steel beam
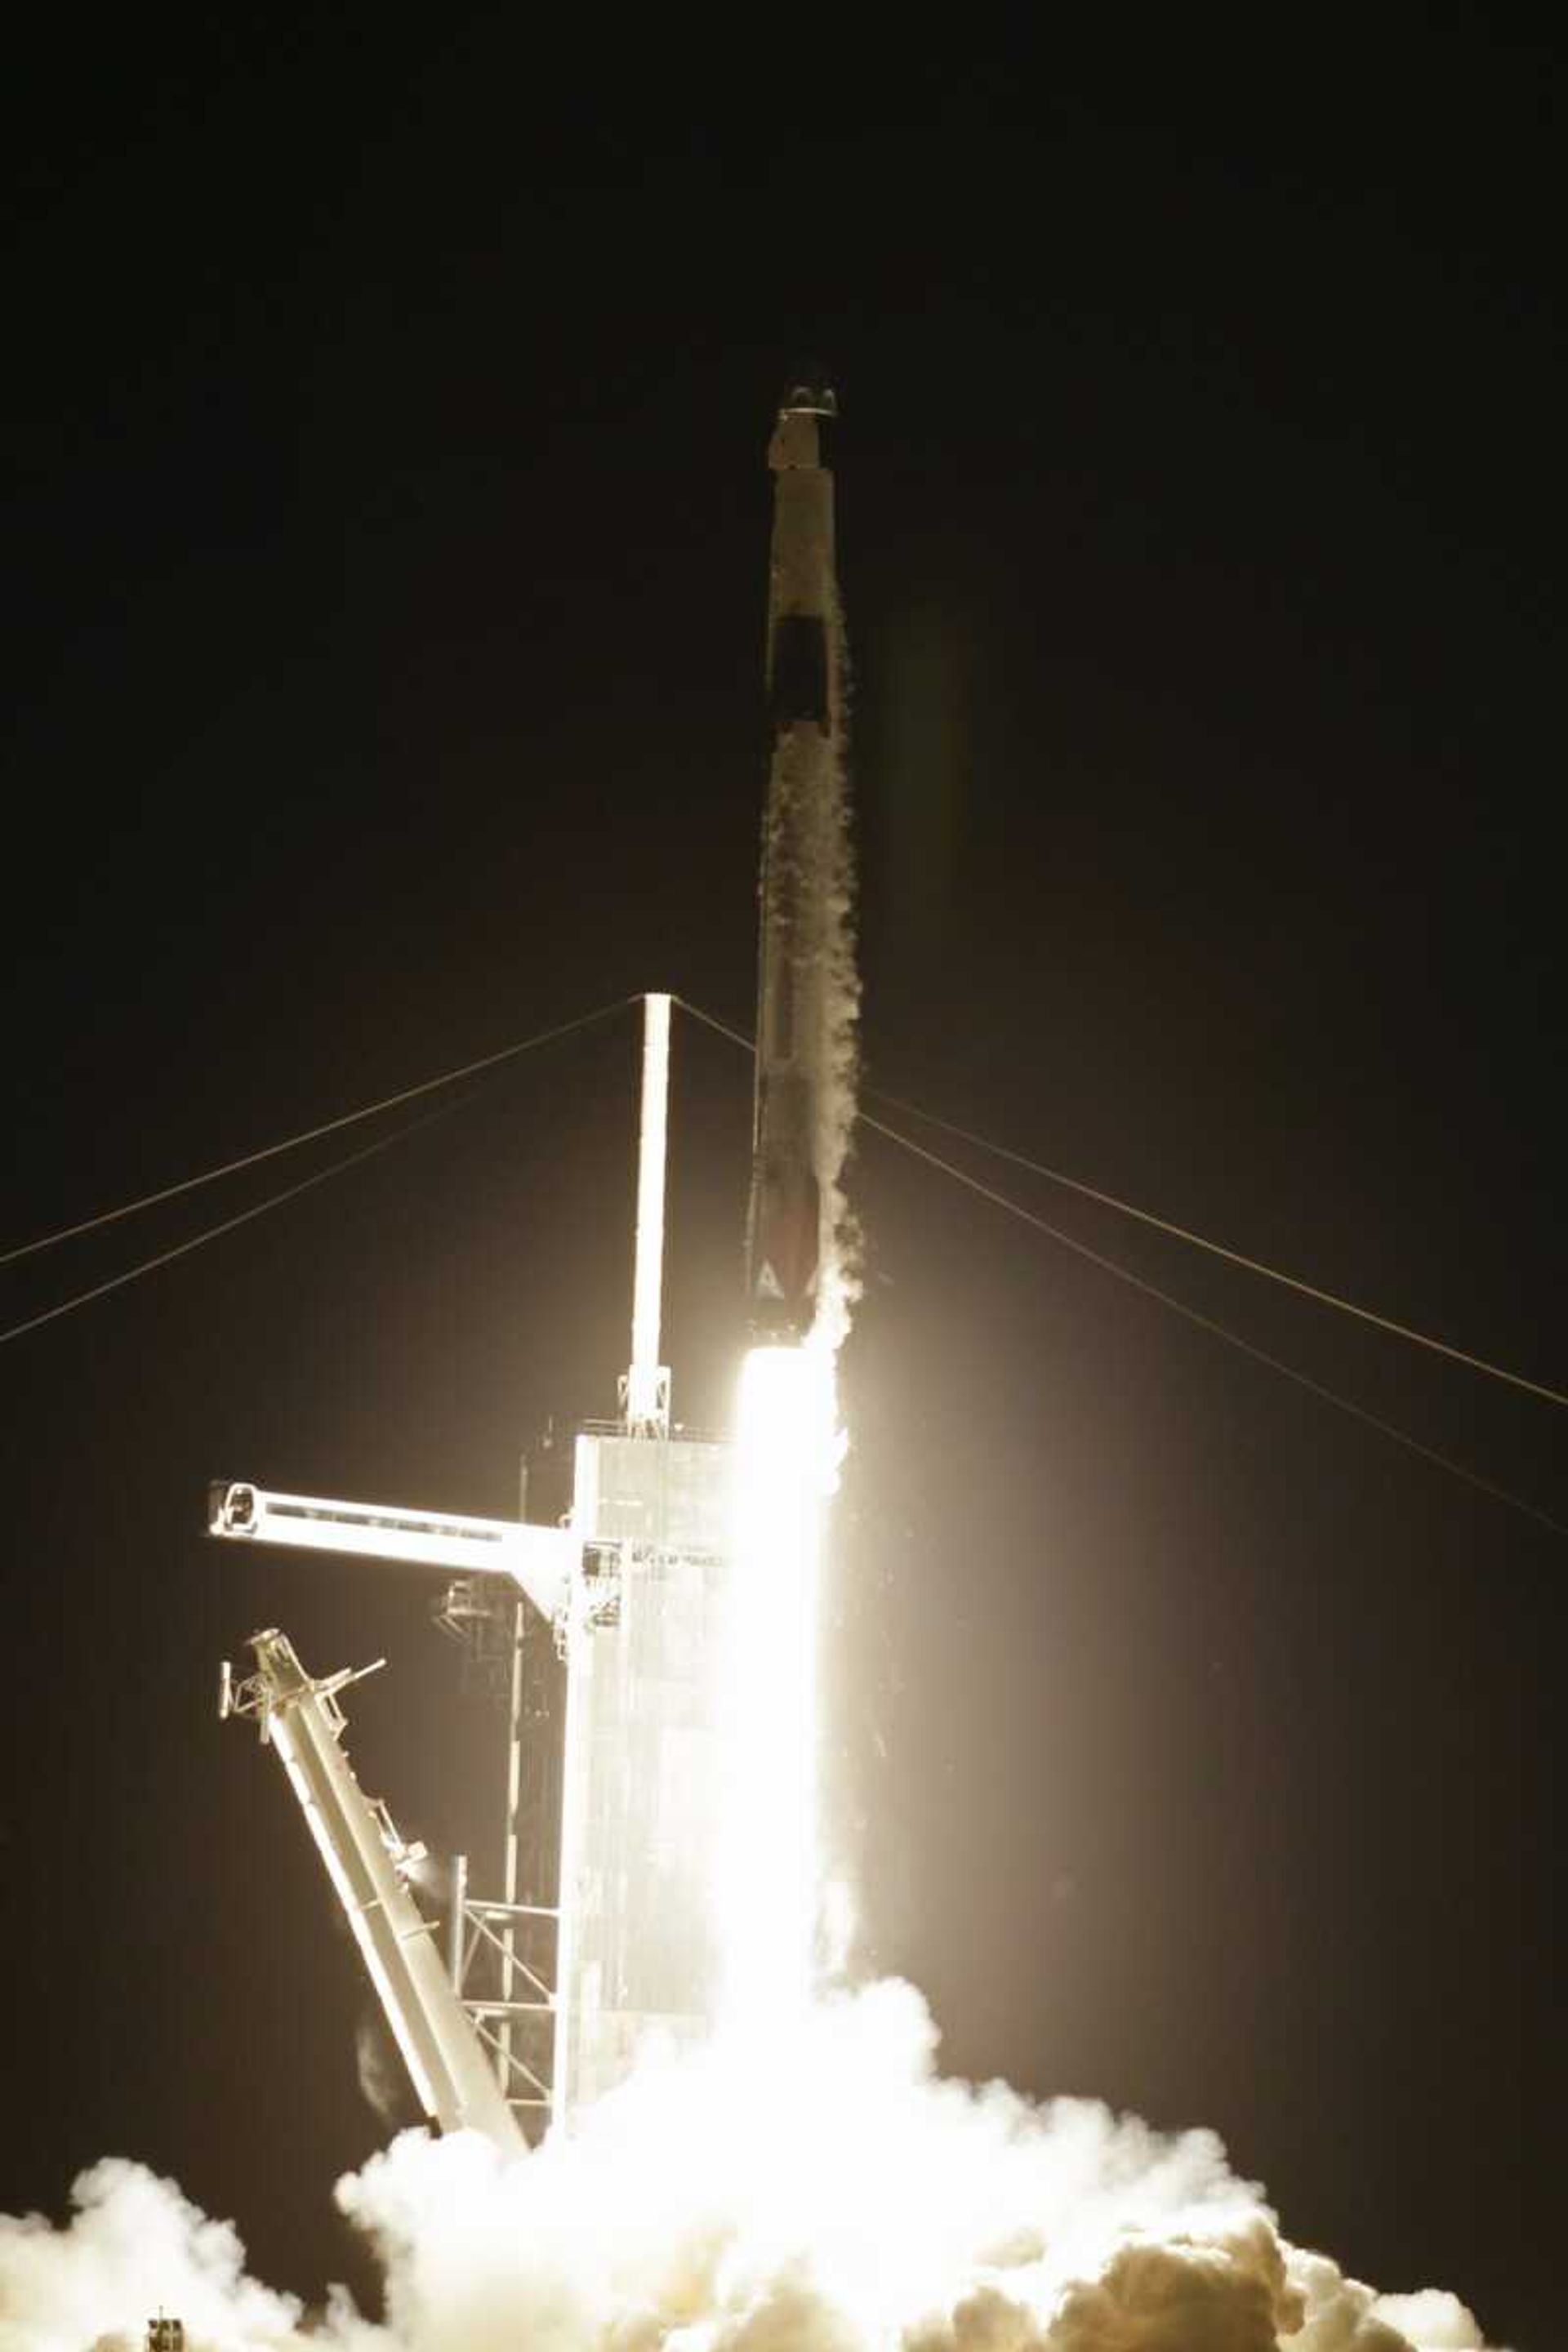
x=540, y=1559
x=366, y=1861
x=648, y=1381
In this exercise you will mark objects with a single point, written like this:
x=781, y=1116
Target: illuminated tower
x=639, y=1766
x=554, y=1990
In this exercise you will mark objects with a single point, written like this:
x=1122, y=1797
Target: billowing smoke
x=834, y=2194
x=838, y=1283
x=383, y=2086
x=132, y=2246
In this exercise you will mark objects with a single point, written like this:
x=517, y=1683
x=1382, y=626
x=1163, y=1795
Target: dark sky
x=386, y=570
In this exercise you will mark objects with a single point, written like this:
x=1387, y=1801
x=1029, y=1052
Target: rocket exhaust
x=794, y=1162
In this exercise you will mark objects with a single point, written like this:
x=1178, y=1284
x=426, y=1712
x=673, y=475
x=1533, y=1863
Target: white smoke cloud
x=382, y=2086
x=836, y=2194
x=133, y=2246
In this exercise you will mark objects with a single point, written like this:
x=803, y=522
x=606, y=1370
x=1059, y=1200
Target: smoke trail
x=838, y=1282
x=835, y=2195
x=383, y=2083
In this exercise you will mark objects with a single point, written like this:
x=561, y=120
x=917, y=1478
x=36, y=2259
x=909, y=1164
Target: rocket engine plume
x=768, y=1866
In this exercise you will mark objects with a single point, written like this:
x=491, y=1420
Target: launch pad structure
x=537, y=2006
x=611, y=1597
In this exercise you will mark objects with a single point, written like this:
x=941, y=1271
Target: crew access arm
x=366, y=1862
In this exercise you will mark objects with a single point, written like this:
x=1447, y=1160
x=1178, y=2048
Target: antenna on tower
x=645, y=1390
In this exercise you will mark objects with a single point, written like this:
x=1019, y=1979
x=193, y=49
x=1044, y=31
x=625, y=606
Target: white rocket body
x=785, y=1237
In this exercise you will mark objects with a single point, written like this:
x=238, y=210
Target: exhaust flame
x=765, y=1898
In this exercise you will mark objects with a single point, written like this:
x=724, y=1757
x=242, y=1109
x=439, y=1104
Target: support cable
x=1222, y=1331
x=211, y=1232
x=306, y=1135
x=1178, y=1232
x=1204, y=1322
x=1234, y=1257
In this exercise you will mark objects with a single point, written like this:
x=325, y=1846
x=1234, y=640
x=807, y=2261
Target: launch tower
x=548, y=1991
x=550, y=1998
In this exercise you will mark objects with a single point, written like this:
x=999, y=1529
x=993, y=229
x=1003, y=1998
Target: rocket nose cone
x=809, y=392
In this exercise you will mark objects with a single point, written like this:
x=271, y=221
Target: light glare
x=768, y=1871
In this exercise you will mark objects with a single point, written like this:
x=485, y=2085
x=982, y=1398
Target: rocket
x=802, y=826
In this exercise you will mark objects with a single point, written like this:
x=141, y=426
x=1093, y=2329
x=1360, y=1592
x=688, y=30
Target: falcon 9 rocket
x=802, y=855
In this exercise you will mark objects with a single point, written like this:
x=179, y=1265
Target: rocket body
x=802, y=860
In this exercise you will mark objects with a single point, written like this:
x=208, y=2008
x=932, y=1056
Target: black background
x=387, y=579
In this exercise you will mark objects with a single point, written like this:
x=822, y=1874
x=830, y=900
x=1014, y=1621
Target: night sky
x=386, y=577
